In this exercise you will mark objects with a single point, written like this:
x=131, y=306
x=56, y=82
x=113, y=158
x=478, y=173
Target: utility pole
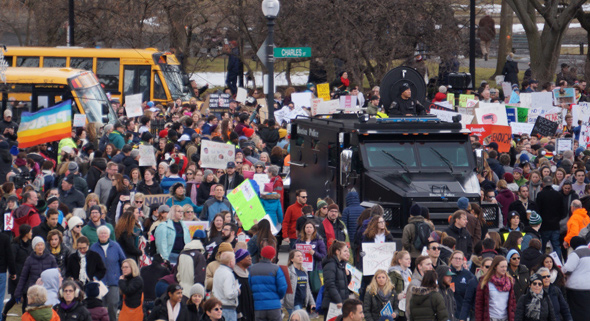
x=71, y=23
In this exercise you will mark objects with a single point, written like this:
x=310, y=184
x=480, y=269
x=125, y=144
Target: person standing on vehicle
x=404, y=105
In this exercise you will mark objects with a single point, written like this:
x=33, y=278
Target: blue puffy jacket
x=272, y=206
x=268, y=284
x=351, y=213
x=112, y=261
x=186, y=200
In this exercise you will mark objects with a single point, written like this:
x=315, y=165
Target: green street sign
x=295, y=52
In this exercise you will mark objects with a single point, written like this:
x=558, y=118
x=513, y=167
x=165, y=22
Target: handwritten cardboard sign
x=544, y=127
x=502, y=135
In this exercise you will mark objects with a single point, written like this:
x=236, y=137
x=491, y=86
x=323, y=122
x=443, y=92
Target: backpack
x=421, y=235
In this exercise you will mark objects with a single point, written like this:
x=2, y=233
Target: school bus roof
x=81, y=52
x=25, y=75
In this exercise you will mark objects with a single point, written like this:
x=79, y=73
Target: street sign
x=261, y=53
x=296, y=52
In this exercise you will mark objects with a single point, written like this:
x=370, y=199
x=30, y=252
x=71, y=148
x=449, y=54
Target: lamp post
x=270, y=9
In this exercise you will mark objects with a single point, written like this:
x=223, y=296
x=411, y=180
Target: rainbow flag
x=44, y=126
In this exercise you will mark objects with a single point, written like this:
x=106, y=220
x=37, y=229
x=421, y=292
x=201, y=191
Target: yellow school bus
x=122, y=72
x=32, y=89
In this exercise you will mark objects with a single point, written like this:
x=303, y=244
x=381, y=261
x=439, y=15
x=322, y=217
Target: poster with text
x=377, y=256
x=307, y=256
x=147, y=155
x=246, y=204
x=133, y=105
x=543, y=100
x=324, y=91
x=348, y=102
x=216, y=155
x=563, y=96
x=491, y=114
x=502, y=135
x=193, y=226
x=301, y=99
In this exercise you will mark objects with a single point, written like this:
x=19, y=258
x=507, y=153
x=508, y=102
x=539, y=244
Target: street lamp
x=270, y=9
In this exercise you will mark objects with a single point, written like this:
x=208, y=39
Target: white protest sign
x=543, y=100
x=281, y=115
x=147, y=155
x=377, y=256
x=584, y=116
x=79, y=120
x=261, y=179
x=301, y=99
x=447, y=116
x=333, y=311
x=556, y=258
x=315, y=104
x=526, y=100
x=306, y=249
x=241, y=95
x=471, y=103
x=507, y=89
x=491, y=114
x=133, y=105
x=348, y=102
x=521, y=128
x=328, y=107
x=216, y=155
x=499, y=79
x=9, y=222
x=564, y=144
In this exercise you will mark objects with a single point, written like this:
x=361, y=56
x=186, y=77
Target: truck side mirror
x=345, y=166
x=479, y=160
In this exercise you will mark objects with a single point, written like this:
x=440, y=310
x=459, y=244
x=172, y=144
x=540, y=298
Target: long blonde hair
x=374, y=287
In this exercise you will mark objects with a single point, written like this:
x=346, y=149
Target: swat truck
x=394, y=162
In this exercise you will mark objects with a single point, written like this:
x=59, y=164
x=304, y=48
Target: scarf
x=503, y=284
x=173, y=312
x=66, y=306
x=193, y=195
x=345, y=82
x=329, y=229
x=533, y=309
x=56, y=251
x=83, y=276
x=383, y=296
x=534, y=190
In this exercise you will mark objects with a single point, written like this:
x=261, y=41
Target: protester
x=518, y=272
x=336, y=276
x=535, y=304
x=423, y=264
x=37, y=310
x=225, y=286
x=577, y=268
x=426, y=302
x=170, y=307
x=37, y=262
x=298, y=277
x=131, y=286
x=495, y=294
x=85, y=266
x=172, y=235
x=71, y=307
x=380, y=292
x=268, y=284
x=560, y=306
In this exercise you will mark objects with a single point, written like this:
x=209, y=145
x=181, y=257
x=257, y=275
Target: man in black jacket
x=231, y=179
x=94, y=266
x=6, y=262
x=269, y=134
x=550, y=204
x=457, y=229
x=404, y=104
x=50, y=223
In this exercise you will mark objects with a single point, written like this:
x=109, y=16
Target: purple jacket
x=319, y=246
x=34, y=265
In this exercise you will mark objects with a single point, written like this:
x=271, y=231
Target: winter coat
x=89, y=230
x=374, y=303
x=34, y=266
x=96, y=309
x=270, y=136
x=72, y=198
x=224, y=286
x=213, y=206
x=132, y=289
x=153, y=189
x=112, y=261
x=530, y=257
x=409, y=235
x=40, y=313
x=174, y=200
x=578, y=267
x=427, y=304
x=236, y=181
x=268, y=284
x=6, y=255
x=550, y=204
x=204, y=191
x=547, y=313
x=335, y=281
x=561, y=308
x=117, y=139
x=113, y=202
x=487, y=29
x=272, y=206
x=160, y=311
x=415, y=283
x=127, y=242
x=103, y=188
x=505, y=197
x=461, y=280
x=61, y=258
x=195, y=313
x=521, y=280
x=77, y=312
x=510, y=72
x=191, y=266
x=290, y=221
x=468, y=300
x=43, y=228
x=577, y=221
x=167, y=182
x=95, y=267
x=351, y=212
x=529, y=234
x=290, y=297
x=482, y=304
x=463, y=239
x=340, y=232
x=319, y=247
x=98, y=167
x=25, y=214
x=165, y=235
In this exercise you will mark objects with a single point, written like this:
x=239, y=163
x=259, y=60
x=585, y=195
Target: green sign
x=295, y=52
x=246, y=203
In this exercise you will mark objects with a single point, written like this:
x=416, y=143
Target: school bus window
x=107, y=71
x=27, y=62
x=8, y=59
x=159, y=92
x=81, y=63
x=54, y=62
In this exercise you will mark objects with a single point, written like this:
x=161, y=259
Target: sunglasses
x=537, y=283
x=546, y=276
x=435, y=248
x=239, y=162
x=138, y=202
x=189, y=173
x=80, y=225
x=189, y=211
x=220, y=172
x=259, y=166
x=515, y=259
x=218, y=309
x=303, y=196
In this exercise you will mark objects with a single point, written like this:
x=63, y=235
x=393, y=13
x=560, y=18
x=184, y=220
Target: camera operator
x=19, y=173
x=404, y=105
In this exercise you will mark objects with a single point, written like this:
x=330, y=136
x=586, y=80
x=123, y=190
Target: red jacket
x=25, y=214
x=289, y=222
x=482, y=303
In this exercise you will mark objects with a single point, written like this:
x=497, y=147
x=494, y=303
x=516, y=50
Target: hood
x=415, y=219
x=270, y=196
x=580, y=214
x=421, y=293
x=506, y=192
x=51, y=279
x=194, y=245
x=21, y=213
x=99, y=163
x=352, y=199
x=41, y=313
x=531, y=254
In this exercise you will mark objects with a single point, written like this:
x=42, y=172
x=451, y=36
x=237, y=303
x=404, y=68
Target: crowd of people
x=80, y=242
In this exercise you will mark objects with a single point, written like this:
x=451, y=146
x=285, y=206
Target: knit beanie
x=577, y=241
x=463, y=203
x=241, y=254
x=268, y=252
x=92, y=289
x=73, y=221
x=415, y=210
x=197, y=289
x=37, y=240
x=321, y=203
x=206, y=173
x=511, y=253
x=333, y=207
x=517, y=170
x=509, y=178
x=223, y=247
x=535, y=277
x=535, y=219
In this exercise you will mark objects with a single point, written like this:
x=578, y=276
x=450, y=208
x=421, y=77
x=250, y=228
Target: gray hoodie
x=51, y=282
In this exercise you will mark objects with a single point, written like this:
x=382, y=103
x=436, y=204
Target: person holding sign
x=380, y=298
x=301, y=296
x=308, y=236
x=404, y=105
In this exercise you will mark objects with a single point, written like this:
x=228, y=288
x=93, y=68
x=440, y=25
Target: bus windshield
x=92, y=98
x=173, y=76
x=416, y=155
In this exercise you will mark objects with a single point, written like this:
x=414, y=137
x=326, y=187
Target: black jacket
x=510, y=72
x=72, y=198
x=150, y=275
x=335, y=281
x=519, y=207
x=401, y=107
x=561, y=308
x=374, y=303
x=153, y=189
x=95, y=267
x=237, y=180
x=132, y=290
x=160, y=311
x=463, y=239
x=6, y=255
x=127, y=243
x=547, y=313
x=270, y=136
x=97, y=169
x=78, y=312
x=521, y=280
x=195, y=313
x=550, y=204
x=530, y=257
x=43, y=228
x=61, y=258
x=204, y=191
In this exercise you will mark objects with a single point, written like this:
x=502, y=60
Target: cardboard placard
x=323, y=91
x=563, y=144
x=147, y=155
x=246, y=204
x=8, y=221
x=463, y=99
x=133, y=105
x=301, y=99
x=491, y=114
x=377, y=256
x=521, y=128
x=544, y=127
x=543, y=100
x=216, y=155
x=193, y=226
x=155, y=199
x=502, y=135
x=451, y=98
x=511, y=114
x=315, y=104
x=563, y=96
x=307, y=256
x=219, y=101
x=263, y=111
x=356, y=278
x=241, y=95
x=522, y=114
x=79, y=120
x=348, y=102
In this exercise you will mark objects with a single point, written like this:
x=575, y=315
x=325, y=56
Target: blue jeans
x=230, y=315
x=2, y=289
x=553, y=237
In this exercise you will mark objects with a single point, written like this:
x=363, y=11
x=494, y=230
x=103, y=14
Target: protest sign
x=261, y=179
x=246, y=204
x=556, y=259
x=471, y=103
x=463, y=99
x=491, y=114
x=133, y=105
x=315, y=103
x=511, y=114
x=377, y=256
x=501, y=135
x=301, y=99
x=544, y=127
x=466, y=111
x=8, y=221
x=387, y=310
x=333, y=312
x=216, y=155
x=193, y=226
x=451, y=98
x=442, y=105
x=522, y=114
x=323, y=91
x=543, y=100
x=241, y=95
x=563, y=96
x=147, y=156
x=507, y=89
x=307, y=256
x=46, y=125
x=328, y=107
x=563, y=144
x=263, y=111
x=79, y=120
x=447, y=116
x=525, y=100
x=356, y=278
x=552, y=117
x=348, y=102
x=159, y=199
x=521, y=128
x=217, y=101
